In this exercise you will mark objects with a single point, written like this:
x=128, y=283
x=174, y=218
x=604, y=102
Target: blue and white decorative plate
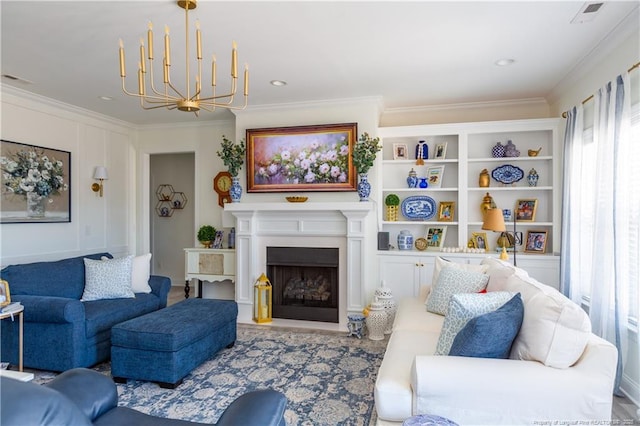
x=507, y=174
x=420, y=207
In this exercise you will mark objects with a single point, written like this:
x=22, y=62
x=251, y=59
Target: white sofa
x=557, y=369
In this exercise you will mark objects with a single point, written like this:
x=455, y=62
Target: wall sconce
x=100, y=173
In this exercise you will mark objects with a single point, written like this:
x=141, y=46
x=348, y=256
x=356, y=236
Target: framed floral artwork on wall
x=302, y=158
x=35, y=182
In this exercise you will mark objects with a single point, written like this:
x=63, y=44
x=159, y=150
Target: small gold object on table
x=296, y=199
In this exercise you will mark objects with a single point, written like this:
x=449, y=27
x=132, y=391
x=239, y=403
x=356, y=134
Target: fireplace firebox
x=305, y=282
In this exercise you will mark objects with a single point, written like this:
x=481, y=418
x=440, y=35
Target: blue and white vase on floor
x=364, y=187
x=236, y=190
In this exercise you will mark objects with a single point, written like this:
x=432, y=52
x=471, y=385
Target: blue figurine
x=422, y=152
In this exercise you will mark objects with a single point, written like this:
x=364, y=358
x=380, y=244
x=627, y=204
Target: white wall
x=97, y=224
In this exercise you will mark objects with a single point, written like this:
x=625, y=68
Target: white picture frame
x=434, y=176
x=440, y=151
x=400, y=151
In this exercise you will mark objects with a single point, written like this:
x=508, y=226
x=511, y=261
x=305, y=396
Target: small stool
x=356, y=325
x=428, y=420
x=165, y=345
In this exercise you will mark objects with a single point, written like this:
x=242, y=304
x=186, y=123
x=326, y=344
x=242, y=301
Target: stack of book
x=11, y=307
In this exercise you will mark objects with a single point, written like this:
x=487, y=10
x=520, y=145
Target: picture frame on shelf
x=526, y=209
x=400, y=151
x=480, y=241
x=434, y=176
x=446, y=210
x=435, y=237
x=283, y=159
x=5, y=295
x=536, y=242
x=440, y=151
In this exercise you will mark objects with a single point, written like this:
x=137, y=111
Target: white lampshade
x=100, y=173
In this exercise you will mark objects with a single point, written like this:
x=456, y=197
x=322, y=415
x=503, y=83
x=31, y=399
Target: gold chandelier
x=172, y=98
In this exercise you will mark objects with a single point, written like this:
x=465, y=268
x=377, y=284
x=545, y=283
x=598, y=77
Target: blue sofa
x=82, y=397
x=60, y=331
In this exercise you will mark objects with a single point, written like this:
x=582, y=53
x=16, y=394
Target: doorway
x=172, y=212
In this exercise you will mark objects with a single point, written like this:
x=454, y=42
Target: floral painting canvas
x=35, y=184
x=304, y=158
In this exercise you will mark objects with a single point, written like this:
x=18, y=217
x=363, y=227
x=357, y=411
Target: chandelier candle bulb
x=165, y=71
x=213, y=70
x=246, y=79
x=121, y=51
x=167, y=49
x=143, y=66
x=140, y=81
x=234, y=61
x=198, y=40
x=150, y=40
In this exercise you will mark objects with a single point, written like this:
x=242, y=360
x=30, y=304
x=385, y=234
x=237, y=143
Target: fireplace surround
x=311, y=224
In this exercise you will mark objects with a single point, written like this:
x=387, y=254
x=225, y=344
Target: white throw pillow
x=462, y=308
x=498, y=271
x=452, y=281
x=554, y=329
x=107, y=279
x=441, y=263
x=140, y=273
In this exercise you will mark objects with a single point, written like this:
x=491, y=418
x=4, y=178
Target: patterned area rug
x=327, y=377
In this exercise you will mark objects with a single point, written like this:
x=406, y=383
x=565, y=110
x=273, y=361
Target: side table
x=208, y=265
x=18, y=312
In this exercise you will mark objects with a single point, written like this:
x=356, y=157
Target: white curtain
x=600, y=244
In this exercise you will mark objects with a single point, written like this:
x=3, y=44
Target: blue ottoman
x=165, y=345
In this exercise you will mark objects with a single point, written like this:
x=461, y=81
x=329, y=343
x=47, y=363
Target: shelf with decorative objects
x=522, y=170
x=169, y=200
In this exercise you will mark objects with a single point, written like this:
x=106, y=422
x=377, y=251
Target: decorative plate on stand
x=420, y=207
x=507, y=174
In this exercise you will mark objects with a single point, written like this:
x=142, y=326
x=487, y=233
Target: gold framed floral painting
x=36, y=183
x=302, y=158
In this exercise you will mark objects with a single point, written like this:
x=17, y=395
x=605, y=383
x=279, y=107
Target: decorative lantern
x=262, y=292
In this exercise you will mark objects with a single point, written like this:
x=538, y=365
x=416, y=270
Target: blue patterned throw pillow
x=490, y=335
x=107, y=279
x=452, y=281
x=464, y=307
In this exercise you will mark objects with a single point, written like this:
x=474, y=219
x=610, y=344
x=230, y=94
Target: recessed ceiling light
x=505, y=62
x=278, y=83
x=106, y=98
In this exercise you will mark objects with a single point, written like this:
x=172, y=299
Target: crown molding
x=46, y=105
x=468, y=105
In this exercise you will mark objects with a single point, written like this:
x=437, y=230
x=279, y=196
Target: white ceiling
x=410, y=54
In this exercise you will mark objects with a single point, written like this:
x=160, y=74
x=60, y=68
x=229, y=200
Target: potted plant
x=392, y=201
x=363, y=155
x=233, y=157
x=206, y=235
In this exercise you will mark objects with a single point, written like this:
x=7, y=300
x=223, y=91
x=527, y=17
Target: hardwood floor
x=624, y=410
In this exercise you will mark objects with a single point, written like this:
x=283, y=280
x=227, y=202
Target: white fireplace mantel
x=320, y=224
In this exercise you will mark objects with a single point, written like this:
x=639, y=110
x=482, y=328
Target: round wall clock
x=222, y=184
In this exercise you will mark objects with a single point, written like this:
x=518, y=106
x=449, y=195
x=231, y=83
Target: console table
x=210, y=265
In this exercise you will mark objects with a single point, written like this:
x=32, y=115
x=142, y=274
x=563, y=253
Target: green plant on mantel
x=206, y=233
x=364, y=152
x=232, y=155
